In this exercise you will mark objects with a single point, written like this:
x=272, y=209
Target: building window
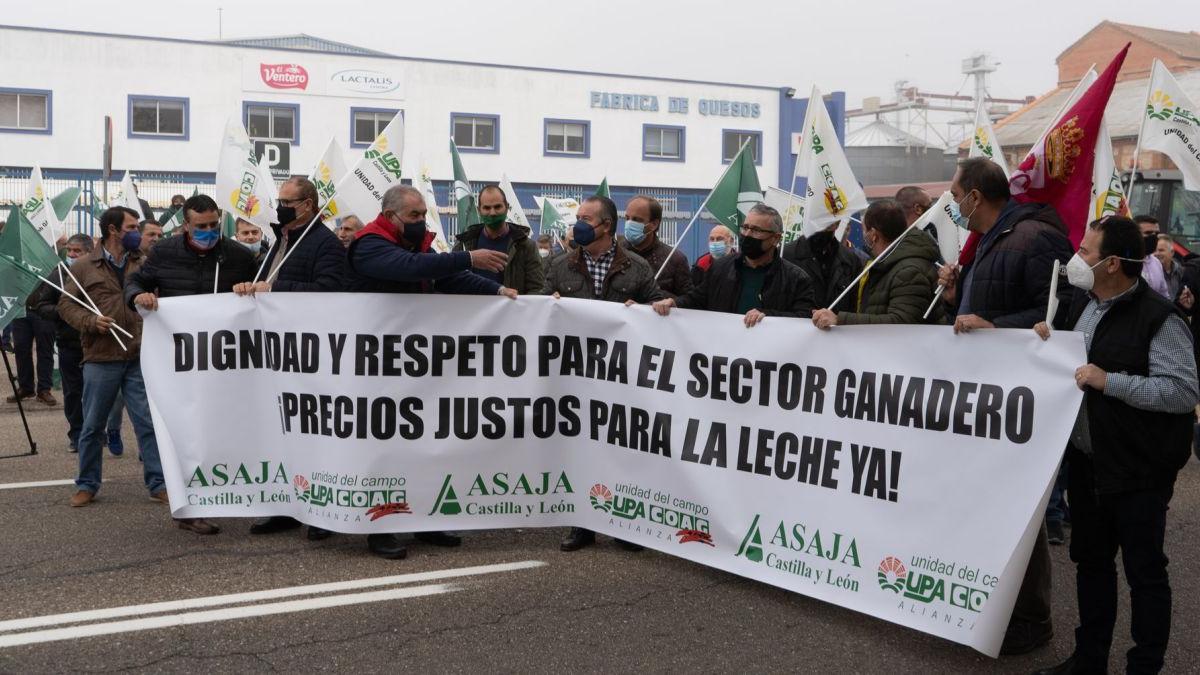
x=164, y=117
x=475, y=133
x=25, y=111
x=662, y=143
x=732, y=140
x=272, y=121
x=367, y=123
x=568, y=138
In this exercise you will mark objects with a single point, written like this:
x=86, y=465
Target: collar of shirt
x=109, y=257
x=603, y=257
x=1105, y=304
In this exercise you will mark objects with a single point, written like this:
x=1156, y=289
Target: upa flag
x=1172, y=125
x=1108, y=195
x=464, y=198
x=736, y=192
x=37, y=209
x=833, y=193
x=128, y=196
x=1058, y=169
x=948, y=234
x=433, y=220
x=240, y=189
x=516, y=214
x=361, y=189
x=984, y=144
x=328, y=171
x=602, y=190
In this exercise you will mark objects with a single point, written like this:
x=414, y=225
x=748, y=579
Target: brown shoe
x=47, y=398
x=20, y=395
x=82, y=498
x=197, y=525
x=161, y=497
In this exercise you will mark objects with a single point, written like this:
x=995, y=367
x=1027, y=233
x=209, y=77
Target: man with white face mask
x=1132, y=434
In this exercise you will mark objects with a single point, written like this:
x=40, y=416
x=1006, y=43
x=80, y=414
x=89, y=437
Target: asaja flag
x=37, y=208
x=833, y=193
x=736, y=192
x=516, y=214
x=1172, y=125
x=15, y=285
x=433, y=219
x=360, y=190
x=325, y=175
x=64, y=202
x=1058, y=169
x=240, y=189
x=983, y=143
x=602, y=190
x=464, y=198
x=128, y=196
x=552, y=221
x=23, y=247
x=791, y=207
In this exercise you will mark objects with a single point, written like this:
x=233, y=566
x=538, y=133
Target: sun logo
x=380, y=144
x=326, y=174
x=1160, y=106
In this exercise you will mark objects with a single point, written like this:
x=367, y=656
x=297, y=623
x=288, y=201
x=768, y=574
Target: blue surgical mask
x=206, y=239
x=254, y=248
x=635, y=232
x=583, y=233
x=718, y=249
x=957, y=216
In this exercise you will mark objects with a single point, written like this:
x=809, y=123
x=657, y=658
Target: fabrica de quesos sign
x=366, y=81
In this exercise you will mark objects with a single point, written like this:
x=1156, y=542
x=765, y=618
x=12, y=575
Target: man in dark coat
x=643, y=218
x=830, y=266
x=524, y=271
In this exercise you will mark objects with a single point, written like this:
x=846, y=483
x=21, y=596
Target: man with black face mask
x=306, y=256
x=392, y=255
x=1152, y=269
x=756, y=281
x=524, y=271
x=830, y=266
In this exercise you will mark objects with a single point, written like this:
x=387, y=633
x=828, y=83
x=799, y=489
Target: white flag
x=330, y=169
x=1108, y=195
x=565, y=206
x=833, y=192
x=433, y=219
x=37, y=209
x=128, y=197
x=949, y=235
x=1172, y=125
x=791, y=207
x=984, y=143
x=241, y=190
x=360, y=191
x=516, y=214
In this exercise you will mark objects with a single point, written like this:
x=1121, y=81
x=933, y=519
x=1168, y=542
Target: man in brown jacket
x=109, y=368
x=643, y=218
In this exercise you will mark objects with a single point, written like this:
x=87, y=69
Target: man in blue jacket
x=392, y=255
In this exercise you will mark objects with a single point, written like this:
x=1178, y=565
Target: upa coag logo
x=504, y=493
x=926, y=588
x=892, y=574
x=601, y=497
x=379, y=502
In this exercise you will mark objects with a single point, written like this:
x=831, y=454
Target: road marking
x=270, y=594
x=224, y=614
x=40, y=483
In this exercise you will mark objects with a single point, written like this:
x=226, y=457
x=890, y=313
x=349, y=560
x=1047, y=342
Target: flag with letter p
x=1172, y=125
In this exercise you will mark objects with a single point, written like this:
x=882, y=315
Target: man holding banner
x=313, y=263
x=1131, y=437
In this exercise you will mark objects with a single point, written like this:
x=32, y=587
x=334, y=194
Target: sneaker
x=1055, y=533
x=47, y=398
x=19, y=396
x=115, y=446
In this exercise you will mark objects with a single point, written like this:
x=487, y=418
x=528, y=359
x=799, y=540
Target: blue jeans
x=101, y=384
x=114, y=418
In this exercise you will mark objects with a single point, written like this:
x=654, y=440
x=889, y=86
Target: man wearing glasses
x=754, y=282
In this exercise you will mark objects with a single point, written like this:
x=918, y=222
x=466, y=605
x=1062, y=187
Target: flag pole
x=691, y=222
x=64, y=266
x=1137, y=148
x=290, y=250
x=887, y=251
x=60, y=289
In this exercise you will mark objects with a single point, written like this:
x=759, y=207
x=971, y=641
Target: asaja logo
x=498, y=494
x=892, y=574
x=1160, y=106
x=222, y=474
x=751, y=547
x=983, y=141
x=600, y=497
x=283, y=75
x=795, y=549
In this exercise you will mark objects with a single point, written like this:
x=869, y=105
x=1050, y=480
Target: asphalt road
x=527, y=607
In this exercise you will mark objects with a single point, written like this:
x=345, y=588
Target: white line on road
x=40, y=483
x=224, y=614
x=254, y=596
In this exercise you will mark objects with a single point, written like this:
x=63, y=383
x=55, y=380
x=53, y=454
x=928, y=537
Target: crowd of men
x=1126, y=290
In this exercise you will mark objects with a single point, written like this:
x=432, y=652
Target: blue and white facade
x=552, y=132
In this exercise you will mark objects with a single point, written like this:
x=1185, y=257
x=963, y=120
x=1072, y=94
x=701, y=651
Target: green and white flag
x=433, y=219
x=64, y=202
x=360, y=190
x=468, y=214
x=516, y=214
x=564, y=210
x=241, y=190
x=330, y=168
x=553, y=222
x=24, y=257
x=833, y=193
x=37, y=209
x=791, y=207
x=983, y=142
x=736, y=192
x=128, y=196
x=602, y=190
x=175, y=220
x=1172, y=125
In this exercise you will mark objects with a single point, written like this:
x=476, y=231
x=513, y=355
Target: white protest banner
x=891, y=470
x=361, y=190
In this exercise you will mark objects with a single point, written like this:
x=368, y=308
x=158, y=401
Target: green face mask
x=494, y=222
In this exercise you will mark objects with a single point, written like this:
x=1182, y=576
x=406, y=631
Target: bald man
x=721, y=243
